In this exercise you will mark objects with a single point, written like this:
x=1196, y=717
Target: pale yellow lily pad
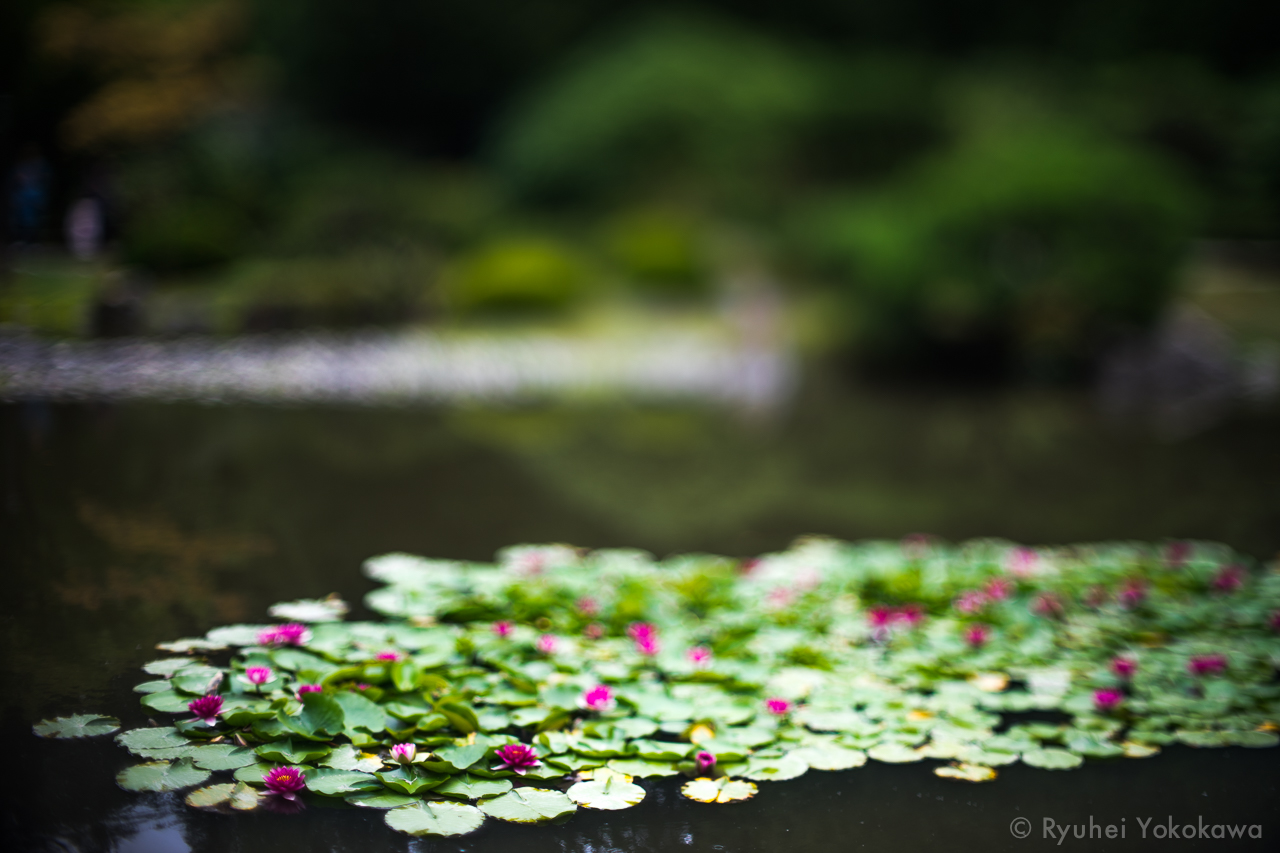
x=966, y=772
x=722, y=790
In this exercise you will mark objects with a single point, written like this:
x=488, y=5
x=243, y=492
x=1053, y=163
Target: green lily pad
x=191, y=644
x=347, y=757
x=158, y=737
x=161, y=776
x=336, y=783
x=830, y=757
x=469, y=787
x=359, y=712
x=1254, y=739
x=408, y=780
x=321, y=717
x=223, y=756
x=380, y=799
x=310, y=610
x=787, y=766
x=160, y=685
x=444, y=819
x=168, y=702
x=210, y=797
x=657, y=750
x=722, y=790
x=77, y=726
x=293, y=752
x=198, y=680
x=894, y=753
x=462, y=757
x=168, y=666
x=640, y=768
x=609, y=794
x=529, y=805
x=1052, y=759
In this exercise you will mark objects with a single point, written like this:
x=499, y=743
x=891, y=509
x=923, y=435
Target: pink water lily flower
x=503, y=629
x=404, y=753
x=1132, y=594
x=977, y=635
x=285, y=781
x=206, y=708
x=971, y=601
x=1022, y=562
x=258, y=675
x=588, y=606
x=778, y=707
x=1229, y=578
x=699, y=656
x=998, y=589
x=641, y=630
x=1207, y=664
x=598, y=698
x=546, y=644
x=594, y=631
x=519, y=758
x=705, y=761
x=647, y=646
x=304, y=689
x=1107, y=700
x=388, y=656
x=289, y=634
x=1124, y=666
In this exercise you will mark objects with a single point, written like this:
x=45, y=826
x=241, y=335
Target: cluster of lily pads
x=557, y=677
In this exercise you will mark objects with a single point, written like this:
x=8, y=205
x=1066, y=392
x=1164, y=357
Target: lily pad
x=336, y=783
x=77, y=726
x=830, y=757
x=347, y=757
x=158, y=737
x=410, y=780
x=443, y=819
x=168, y=666
x=168, y=702
x=1052, y=759
x=223, y=756
x=641, y=768
x=330, y=609
x=469, y=787
x=293, y=752
x=966, y=772
x=380, y=799
x=161, y=776
x=894, y=753
x=529, y=805
x=462, y=757
x=226, y=795
x=722, y=790
x=787, y=766
x=608, y=794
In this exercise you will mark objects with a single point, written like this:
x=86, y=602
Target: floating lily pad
x=293, y=752
x=168, y=666
x=408, y=780
x=1254, y=740
x=830, y=757
x=722, y=790
x=158, y=737
x=168, y=702
x=470, y=787
x=223, y=756
x=1052, y=759
x=383, y=799
x=641, y=768
x=211, y=797
x=529, y=805
x=894, y=753
x=787, y=766
x=966, y=772
x=608, y=794
x=336, y=783
x=310, y=610
x=441, y=818
x=191, y=644
x=77, y=726
x=161, y=776
x=347, y=757
x=1133, y=749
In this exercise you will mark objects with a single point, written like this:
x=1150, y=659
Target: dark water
x=129, y=525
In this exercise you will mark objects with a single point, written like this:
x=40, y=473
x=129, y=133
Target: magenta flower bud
x=389, y=656
x=705, y=761
x=207, y=708
x=519, y=758
x=304, y=689
x=1176, y=554
x=588, y=606
x=1207, y=664
x=594, y=631
x=598, y=698
x=1107, y=701
x=747, y=567
x=258, y=675
x=1022, y=562
x=971, y=601
x=977, y=635
x=1229, y=578
x=503, y=629
x=546, y=644
x=880, y=617
x=1132, y=594
x=998, y=589
x=911, y=615
x=1048, y=605
x=699, y=656
x=404, y=753
x=1124, y=667
x=778, y=707
x=289, y=634
x=641, y=630
x=285, y=781
x=647, y=646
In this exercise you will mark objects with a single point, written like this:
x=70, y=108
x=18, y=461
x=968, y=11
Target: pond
x=132, y=524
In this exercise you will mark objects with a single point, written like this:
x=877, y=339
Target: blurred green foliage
x=50, y=296
x=659, y=251
x=516, y=274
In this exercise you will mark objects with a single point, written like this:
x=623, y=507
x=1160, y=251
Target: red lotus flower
x=304, y=689
x=519, y=758
x=705, y=761
x=778, y=707
x=977, y=635
x=598, y=698
x=285, y=781
x=206, y=708
x=1124, y=667
x=699, y=656
x=289, y=634
x=1229, y=578
x=1107, y=701
x=1207, y=664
